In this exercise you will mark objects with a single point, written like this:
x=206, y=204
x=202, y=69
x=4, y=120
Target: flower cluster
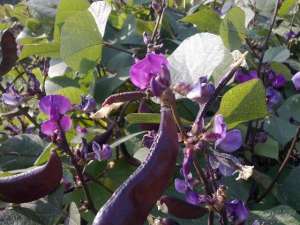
x=55, y=106
x=151, y=72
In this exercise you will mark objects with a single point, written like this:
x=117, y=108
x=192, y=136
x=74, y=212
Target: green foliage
x=206, y=20
x=232, y=28
x=81, y=42
x=243, y=103
x=20, y=151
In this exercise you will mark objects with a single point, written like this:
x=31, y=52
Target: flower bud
x=88, y=104
x=296, y=81
x=101, y=153
x=202, y=91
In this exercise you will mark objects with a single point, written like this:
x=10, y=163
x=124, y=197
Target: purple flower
x=55, y=106
x=296, y=81
x=33, y=85
x=103, y=152
x=160, y=82
x=194, y=198
x=291, y=34
x=241, y=76
x=236, y=211
x=88, y=104
x=273, y=97
x=228, y=141
x=180, y=185
x=144, y=70
x=279, y=81
x=201, y=91
x=11, y=96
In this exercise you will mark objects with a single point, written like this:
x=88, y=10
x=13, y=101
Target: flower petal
x=65, y=123
x=220, y=126
x=296, y=81
x=231, y=142
x=57, y=103
x=49, y=127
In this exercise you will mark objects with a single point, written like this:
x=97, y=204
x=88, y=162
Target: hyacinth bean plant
x=149, y=112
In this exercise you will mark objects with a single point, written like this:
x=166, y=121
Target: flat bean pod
x=33, y=184
x=134, y=199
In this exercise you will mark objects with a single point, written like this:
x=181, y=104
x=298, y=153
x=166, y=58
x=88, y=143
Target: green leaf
x=65, y=10
x=279, y=215
x=48, y=209
x=206, y=20
x=12, y=217
x=72, y=93
x=290, y=188
x=126, y=138
x=81, y=42
x=105, y=86
x=138, y=118
x=276, y=54
x=286, y=6
x=44, y=156
x=280, y=68
x=144, y=26
x=290, y=108
x=243, y=103
x=74, y=215
x=280, y=130
x=268, y=149
x=20, y=151
x=232, y=28
x=50, y=49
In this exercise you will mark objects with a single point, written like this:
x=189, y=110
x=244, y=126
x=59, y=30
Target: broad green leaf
x=65, y=10
x=206, y=20
x=105, y=86
x=276, y=54
x=50, y=49
x=290, y=108
x=81, y=42
x=280, y=129
x=144, y=26
x=286, y=6
x=44, y=156
x=100, y=10
x=243, y=103
x=290, y=188
x=57, y=68
x=54, y=84
x=232, y=28
x=126, y=138
x=198, y=55
x=268, y=149
x=74, y=215
x=279, y=215
x=20, y=151
x=137, y=118
x=11, y=217
x=280, y=68
x=72, y=93
x=43, y=9
x=48, y=209
x=265, y=181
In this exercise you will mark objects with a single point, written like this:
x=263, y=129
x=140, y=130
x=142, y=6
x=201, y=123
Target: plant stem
x=226, y=78
x=65, y=146
x=265, y=45
x=109, y=45
x=283, y=164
